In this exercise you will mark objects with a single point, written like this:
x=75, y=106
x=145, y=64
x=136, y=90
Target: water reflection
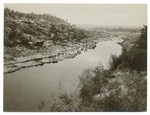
x=24, y=90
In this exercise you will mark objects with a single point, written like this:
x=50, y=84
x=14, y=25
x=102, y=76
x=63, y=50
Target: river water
x=26, y=89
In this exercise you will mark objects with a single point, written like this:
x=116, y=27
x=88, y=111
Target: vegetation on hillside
x=114, y=89
x=32, y=30
x=134, y=57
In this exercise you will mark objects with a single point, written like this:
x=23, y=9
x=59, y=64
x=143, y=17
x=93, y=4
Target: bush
x=135, y=57
x=66, y=103
x=142, y=41
x=102, y=92
x=124, y=93
x=138, y=59
x=114, y=62
x=91, y=82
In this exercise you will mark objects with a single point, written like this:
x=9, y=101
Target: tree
x=142, y=41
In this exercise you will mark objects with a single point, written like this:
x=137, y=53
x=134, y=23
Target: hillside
x=30, y=37
x=29, y=29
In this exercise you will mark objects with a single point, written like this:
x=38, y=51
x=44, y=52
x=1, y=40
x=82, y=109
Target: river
x=25, y=89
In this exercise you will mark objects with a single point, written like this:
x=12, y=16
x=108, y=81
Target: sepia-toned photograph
x=75, y=57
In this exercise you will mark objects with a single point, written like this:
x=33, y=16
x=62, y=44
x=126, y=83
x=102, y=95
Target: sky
x=95, y=14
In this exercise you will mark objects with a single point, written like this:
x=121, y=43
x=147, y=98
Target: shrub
x=135, y=57
x=142, y=41
x=114, y=62
x=91, y=82
x=124, y=93
x=66, y=103
x=138, y=59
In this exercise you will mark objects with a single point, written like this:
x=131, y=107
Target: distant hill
x=35, y=30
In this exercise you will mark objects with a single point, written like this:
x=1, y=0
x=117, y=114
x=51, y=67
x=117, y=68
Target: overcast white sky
x=97, y=14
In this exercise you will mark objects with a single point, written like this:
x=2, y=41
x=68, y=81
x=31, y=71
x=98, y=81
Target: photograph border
x=68, y=1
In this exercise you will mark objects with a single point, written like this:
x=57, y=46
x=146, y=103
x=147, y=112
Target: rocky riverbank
x=33, y=39
x=41, y=58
